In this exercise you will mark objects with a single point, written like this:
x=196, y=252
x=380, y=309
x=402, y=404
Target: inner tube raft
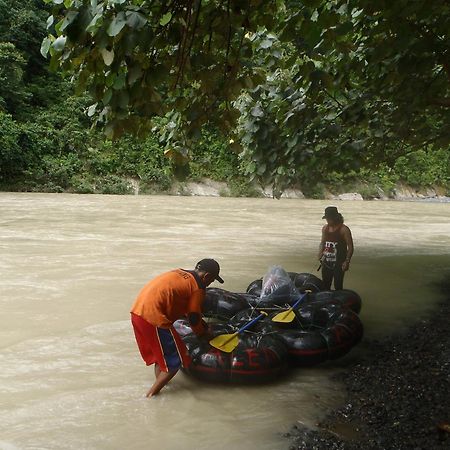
x=302, y=281
x=345, y=298
x=223, y=305
x=258, y=358
x=326, y=327
x=320, y=333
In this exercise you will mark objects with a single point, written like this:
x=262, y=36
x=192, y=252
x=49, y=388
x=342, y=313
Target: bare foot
x=150, y=394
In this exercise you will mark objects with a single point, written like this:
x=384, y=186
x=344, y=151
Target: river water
x=71, y=265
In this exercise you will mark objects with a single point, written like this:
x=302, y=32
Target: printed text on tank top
x=335, y=247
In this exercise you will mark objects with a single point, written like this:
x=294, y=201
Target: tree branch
x=194, y=28
x=445, y=102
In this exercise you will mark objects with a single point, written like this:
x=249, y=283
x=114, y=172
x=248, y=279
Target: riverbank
x=397, y=396
x=401, y=192
x=207, y=187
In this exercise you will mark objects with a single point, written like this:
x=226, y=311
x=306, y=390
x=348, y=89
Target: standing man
x=163, y=300
x=336, y=249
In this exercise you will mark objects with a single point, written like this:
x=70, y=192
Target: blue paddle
x=289, y=315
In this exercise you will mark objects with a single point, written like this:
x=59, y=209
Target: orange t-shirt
x=169, y=297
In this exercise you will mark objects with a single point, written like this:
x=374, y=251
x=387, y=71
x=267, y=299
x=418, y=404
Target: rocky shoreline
x=207, y=187
x=398, y=395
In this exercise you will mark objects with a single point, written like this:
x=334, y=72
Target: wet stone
x=398, y=395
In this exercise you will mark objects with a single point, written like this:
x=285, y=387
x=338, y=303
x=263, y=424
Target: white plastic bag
x=277, y=286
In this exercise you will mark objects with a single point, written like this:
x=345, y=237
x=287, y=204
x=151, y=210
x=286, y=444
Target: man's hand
x=207, y=335
x=345, y=266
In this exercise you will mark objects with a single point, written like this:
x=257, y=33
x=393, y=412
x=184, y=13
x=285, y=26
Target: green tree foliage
x=22, y=28
x=365, y=83
x=312, y=92
x=424, y=168
x=142, y=59
x=11, y=161
x=12, y=92
x=317, y=85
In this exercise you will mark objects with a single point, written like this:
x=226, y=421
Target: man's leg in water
x=327, y=277
x=338, y=278
x=162, y=378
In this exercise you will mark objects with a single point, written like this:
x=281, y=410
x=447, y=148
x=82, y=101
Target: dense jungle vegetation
x=343, y=94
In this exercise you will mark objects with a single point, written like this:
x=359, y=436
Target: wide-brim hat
x=331, y=212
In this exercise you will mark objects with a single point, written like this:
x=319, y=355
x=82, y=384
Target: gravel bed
x=398, y=395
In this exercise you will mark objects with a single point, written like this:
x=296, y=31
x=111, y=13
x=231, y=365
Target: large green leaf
x=135, y=19
x=45, y=46
x=165, y=19
x=59, y=43
x=108, y=56
x=117, y=24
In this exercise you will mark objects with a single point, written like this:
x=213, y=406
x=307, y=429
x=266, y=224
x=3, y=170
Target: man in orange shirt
x=165, y=299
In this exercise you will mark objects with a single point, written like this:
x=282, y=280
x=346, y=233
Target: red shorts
x=162, y=346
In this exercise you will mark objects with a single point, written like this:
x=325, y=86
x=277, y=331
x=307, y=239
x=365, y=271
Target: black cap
x=331, y=212
x=211, y=266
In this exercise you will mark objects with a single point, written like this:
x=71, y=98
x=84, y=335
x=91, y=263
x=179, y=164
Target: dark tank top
x=335, y=250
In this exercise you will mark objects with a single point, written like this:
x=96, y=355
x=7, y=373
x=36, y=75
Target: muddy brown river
x=71, y=265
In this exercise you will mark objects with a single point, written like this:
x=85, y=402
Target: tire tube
x=345, y=298
x=221, y=304
x=320, y=333
x=257, y=358
x=307, y=281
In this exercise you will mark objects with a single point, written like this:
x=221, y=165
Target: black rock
x=398, y=393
